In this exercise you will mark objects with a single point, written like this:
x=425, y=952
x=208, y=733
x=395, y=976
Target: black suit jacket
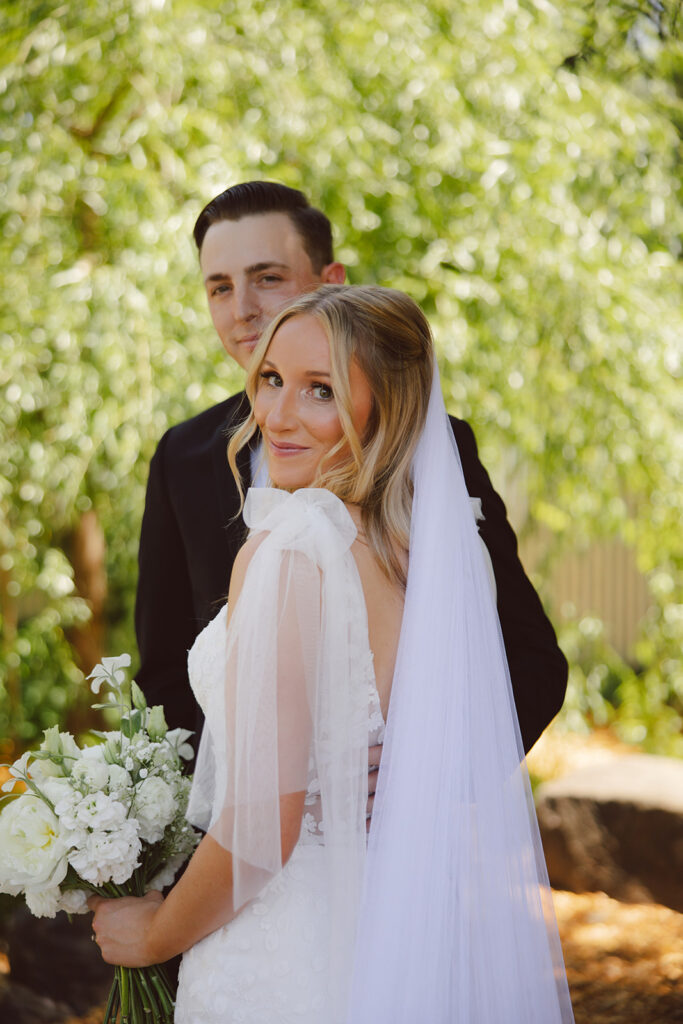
x=192, y=530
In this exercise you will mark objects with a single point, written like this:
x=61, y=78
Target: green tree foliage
x=513, y=164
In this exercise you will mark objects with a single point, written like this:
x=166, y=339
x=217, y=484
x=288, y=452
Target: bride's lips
x=285, y=448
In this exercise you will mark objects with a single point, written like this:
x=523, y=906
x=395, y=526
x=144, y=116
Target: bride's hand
x=123, y=928
x=374, y=758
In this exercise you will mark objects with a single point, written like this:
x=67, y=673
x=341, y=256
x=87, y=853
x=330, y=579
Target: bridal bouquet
x=107, y=819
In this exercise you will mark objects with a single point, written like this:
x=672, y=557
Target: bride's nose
x=282, y=412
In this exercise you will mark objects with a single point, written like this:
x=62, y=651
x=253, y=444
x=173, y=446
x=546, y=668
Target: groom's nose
x=245, y=304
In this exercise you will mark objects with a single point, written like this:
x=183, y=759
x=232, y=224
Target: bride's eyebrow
x=267, y=364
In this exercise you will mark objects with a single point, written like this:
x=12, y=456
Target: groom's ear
x=333, y=273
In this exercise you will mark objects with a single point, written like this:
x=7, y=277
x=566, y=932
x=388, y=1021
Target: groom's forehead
x=254, y=239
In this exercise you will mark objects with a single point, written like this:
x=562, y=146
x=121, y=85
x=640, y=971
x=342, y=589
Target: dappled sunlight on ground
x=624, y=961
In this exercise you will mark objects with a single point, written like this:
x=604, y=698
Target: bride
x=359, y=611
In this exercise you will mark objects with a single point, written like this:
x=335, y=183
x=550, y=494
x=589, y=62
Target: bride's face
x=295, y=407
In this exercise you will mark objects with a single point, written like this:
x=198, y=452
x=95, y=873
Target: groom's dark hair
x=254, y=197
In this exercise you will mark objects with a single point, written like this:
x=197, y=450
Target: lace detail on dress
x=206, y=659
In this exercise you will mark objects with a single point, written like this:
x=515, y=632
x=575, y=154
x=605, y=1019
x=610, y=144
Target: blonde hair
x=389, y=337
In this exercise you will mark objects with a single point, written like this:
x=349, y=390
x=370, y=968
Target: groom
x=260, y=246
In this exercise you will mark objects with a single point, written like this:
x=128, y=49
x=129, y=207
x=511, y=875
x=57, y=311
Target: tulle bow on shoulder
x=311, y=520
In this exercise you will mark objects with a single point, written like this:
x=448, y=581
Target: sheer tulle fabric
x=456, y=924
x=288, y=695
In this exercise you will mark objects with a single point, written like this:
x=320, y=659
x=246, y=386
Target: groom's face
x=252, y=268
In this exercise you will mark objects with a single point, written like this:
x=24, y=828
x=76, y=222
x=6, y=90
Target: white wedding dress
x=272, y=963
x=453, y=883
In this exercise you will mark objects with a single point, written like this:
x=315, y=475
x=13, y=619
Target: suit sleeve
x=538, y=668
x=164, y=613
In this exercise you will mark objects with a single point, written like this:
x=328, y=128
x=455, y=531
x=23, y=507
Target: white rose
x=56, y=789
x=95, y=752
x=92, y=772
x=43, y=902
x=32, y=850
x=74, y=901
x=108, y=856
x=155, y=808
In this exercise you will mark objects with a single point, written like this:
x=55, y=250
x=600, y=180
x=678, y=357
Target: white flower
x=32, y=849
x=164, y=754
x=110, y=670
x=44, y=768
x=56, y=790
x=167, y=873
x=43, y=902
x=178, y=739
x=92, y=773
x=94, y=752
x=155, y=808
x=156, y=723
x=74, y=901
x=119, y=780
x=62, y=744
x=96, y=811
x=108, y=856
x=19, y=770
x=110, y=747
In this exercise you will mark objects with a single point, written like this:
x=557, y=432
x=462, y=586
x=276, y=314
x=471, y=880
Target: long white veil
x=456, y=924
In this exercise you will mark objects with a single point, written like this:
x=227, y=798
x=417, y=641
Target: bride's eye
x=322, y=391
x=272, y=378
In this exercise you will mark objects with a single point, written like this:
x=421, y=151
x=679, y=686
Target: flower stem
x=125, y=994
x=149, y=1003
x=112, y=1007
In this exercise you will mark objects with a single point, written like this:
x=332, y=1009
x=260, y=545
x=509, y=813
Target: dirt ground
x=624, y=961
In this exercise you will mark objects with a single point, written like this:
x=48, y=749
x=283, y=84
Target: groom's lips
x=249, y=339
